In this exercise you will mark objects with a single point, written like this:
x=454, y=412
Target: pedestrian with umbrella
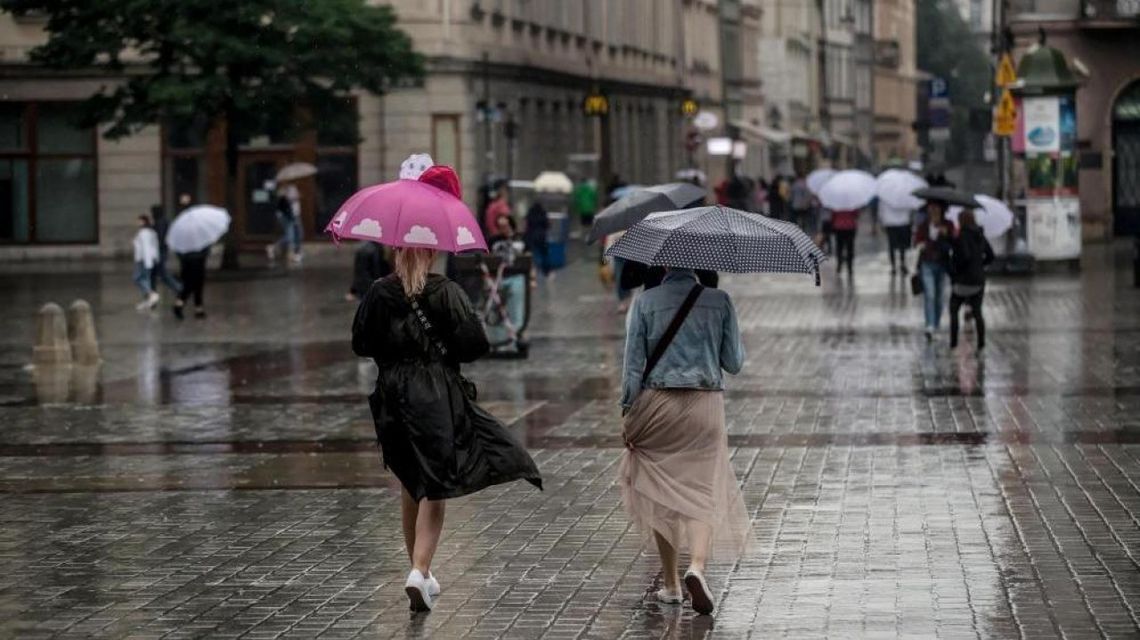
x=676, y=479
x=933, y=238
x=893, y=188
x=190, y=237
x=970, y=255
x=419, y=327
x=160, y=272
x=288, y=210
x=846, y=193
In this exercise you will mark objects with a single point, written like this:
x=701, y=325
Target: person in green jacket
x=585, y=201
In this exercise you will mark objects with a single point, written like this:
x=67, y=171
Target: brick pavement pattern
x=223, y=482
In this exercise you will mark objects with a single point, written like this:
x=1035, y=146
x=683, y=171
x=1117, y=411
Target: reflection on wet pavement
x=220, y=478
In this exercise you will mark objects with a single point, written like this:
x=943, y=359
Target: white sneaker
x=142, y=306
x=433, y=585
x=668, y=597
x=153, y=299
x=419, y=593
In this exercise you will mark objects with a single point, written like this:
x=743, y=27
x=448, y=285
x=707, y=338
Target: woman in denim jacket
x=676, y=480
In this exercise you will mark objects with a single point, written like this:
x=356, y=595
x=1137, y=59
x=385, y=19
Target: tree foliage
x=948, y=49
x=252, y=61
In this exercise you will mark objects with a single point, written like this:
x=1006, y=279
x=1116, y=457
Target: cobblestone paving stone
x=222, y=481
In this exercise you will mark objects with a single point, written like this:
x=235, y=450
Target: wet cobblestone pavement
x=218, y=478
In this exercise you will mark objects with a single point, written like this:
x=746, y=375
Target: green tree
x=948, y=49
x=249, y=63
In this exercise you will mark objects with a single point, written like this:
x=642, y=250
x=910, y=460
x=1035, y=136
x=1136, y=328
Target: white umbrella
x=692, y=174
x=553, y=182
x=848, y=190
x=995, y=217
x=197, y=228
x=816, y=178
x=296, y=171
x=895, y=187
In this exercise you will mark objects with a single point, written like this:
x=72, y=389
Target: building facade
x=789, y=52
x=502, y=97
x=895, y=82
x=1101, y=40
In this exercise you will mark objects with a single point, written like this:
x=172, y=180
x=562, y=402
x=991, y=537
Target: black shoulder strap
x=672, y=329
x=427, y=326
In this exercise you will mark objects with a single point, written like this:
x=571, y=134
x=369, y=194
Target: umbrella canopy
x=994, y=216
x=628, y=211
x=691, y=174
x=408, y=213
x=296, y=171
x=625, y=190
x=816, y=178
x=196, y=228
x=553, y=182
x=719, y=239
x=948, y=195
x=847, y=190
x=896, y=187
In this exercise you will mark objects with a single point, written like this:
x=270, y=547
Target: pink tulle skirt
x=675, y=470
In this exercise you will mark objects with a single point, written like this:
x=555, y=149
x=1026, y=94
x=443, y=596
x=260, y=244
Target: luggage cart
x=499, y=288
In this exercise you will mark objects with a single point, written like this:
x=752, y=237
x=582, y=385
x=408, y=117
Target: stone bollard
x=52, y=346
x=81, y=329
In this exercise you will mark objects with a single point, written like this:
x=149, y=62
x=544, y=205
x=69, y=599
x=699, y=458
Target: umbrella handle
x=815, y=263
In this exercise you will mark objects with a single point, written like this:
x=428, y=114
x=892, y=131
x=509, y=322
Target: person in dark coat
x=434, y=438
x=933, y=239
x=537, y=227
x=368, y=266
x=160, y=272
x=970, y=254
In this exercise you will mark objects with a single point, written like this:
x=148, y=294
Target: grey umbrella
x=947, y=195
x=719, y=239
x=627, y=211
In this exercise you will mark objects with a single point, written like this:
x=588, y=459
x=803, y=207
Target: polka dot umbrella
x=719, y=239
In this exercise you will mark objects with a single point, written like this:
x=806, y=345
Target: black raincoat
x=436, y=440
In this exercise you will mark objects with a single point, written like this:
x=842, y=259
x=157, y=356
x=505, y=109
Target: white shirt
x=146, y=247
x=893, y=217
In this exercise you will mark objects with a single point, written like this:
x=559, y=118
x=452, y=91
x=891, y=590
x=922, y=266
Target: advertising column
x=1053, y=213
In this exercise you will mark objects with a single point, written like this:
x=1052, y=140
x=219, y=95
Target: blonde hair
x=412, y=266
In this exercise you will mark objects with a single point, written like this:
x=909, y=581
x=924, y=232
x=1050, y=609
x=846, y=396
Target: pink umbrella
x=408, y=213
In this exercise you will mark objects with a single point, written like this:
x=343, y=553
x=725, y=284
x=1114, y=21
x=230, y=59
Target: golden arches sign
x=596, y=104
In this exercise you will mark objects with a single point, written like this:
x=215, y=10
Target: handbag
x=916, y=286
x=470, y=391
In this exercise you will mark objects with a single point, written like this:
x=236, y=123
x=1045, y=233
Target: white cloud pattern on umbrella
x=421, y=235
x=463, y=236
x=368, y=227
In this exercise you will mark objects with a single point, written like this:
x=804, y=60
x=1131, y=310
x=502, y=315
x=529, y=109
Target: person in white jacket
x=146, y=257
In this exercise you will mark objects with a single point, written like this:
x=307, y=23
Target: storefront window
x=47, y=175
x=184, y=162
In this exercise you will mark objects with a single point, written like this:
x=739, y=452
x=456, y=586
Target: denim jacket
x=707, y=342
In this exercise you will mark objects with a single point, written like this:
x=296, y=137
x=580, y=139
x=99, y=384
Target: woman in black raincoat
x=434, y=438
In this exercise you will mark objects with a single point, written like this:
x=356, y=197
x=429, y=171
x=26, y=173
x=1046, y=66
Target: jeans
x=290, y=234
x=975, y=302
x=142, y=279
x=160, y=272
x=933, y=284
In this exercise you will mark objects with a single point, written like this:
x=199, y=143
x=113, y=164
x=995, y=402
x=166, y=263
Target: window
x=445, y=139
x=184, y=161
x=338, y=132
x=47, y=175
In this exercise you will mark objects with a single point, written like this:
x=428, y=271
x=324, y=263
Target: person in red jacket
x=844, y=223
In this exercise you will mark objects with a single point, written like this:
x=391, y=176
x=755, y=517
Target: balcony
x=1111, y=14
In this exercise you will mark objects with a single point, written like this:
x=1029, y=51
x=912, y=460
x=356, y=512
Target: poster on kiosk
x=1053, y=213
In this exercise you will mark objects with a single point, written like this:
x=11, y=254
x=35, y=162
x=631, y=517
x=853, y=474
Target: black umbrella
x=719, y=239
x=628, y=211
x=948, y=195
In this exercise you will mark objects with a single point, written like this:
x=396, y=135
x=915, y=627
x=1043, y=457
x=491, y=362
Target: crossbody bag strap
x=427, y=326
x=671, y=330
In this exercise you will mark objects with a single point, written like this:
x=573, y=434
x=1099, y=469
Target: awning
x=763, y=134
